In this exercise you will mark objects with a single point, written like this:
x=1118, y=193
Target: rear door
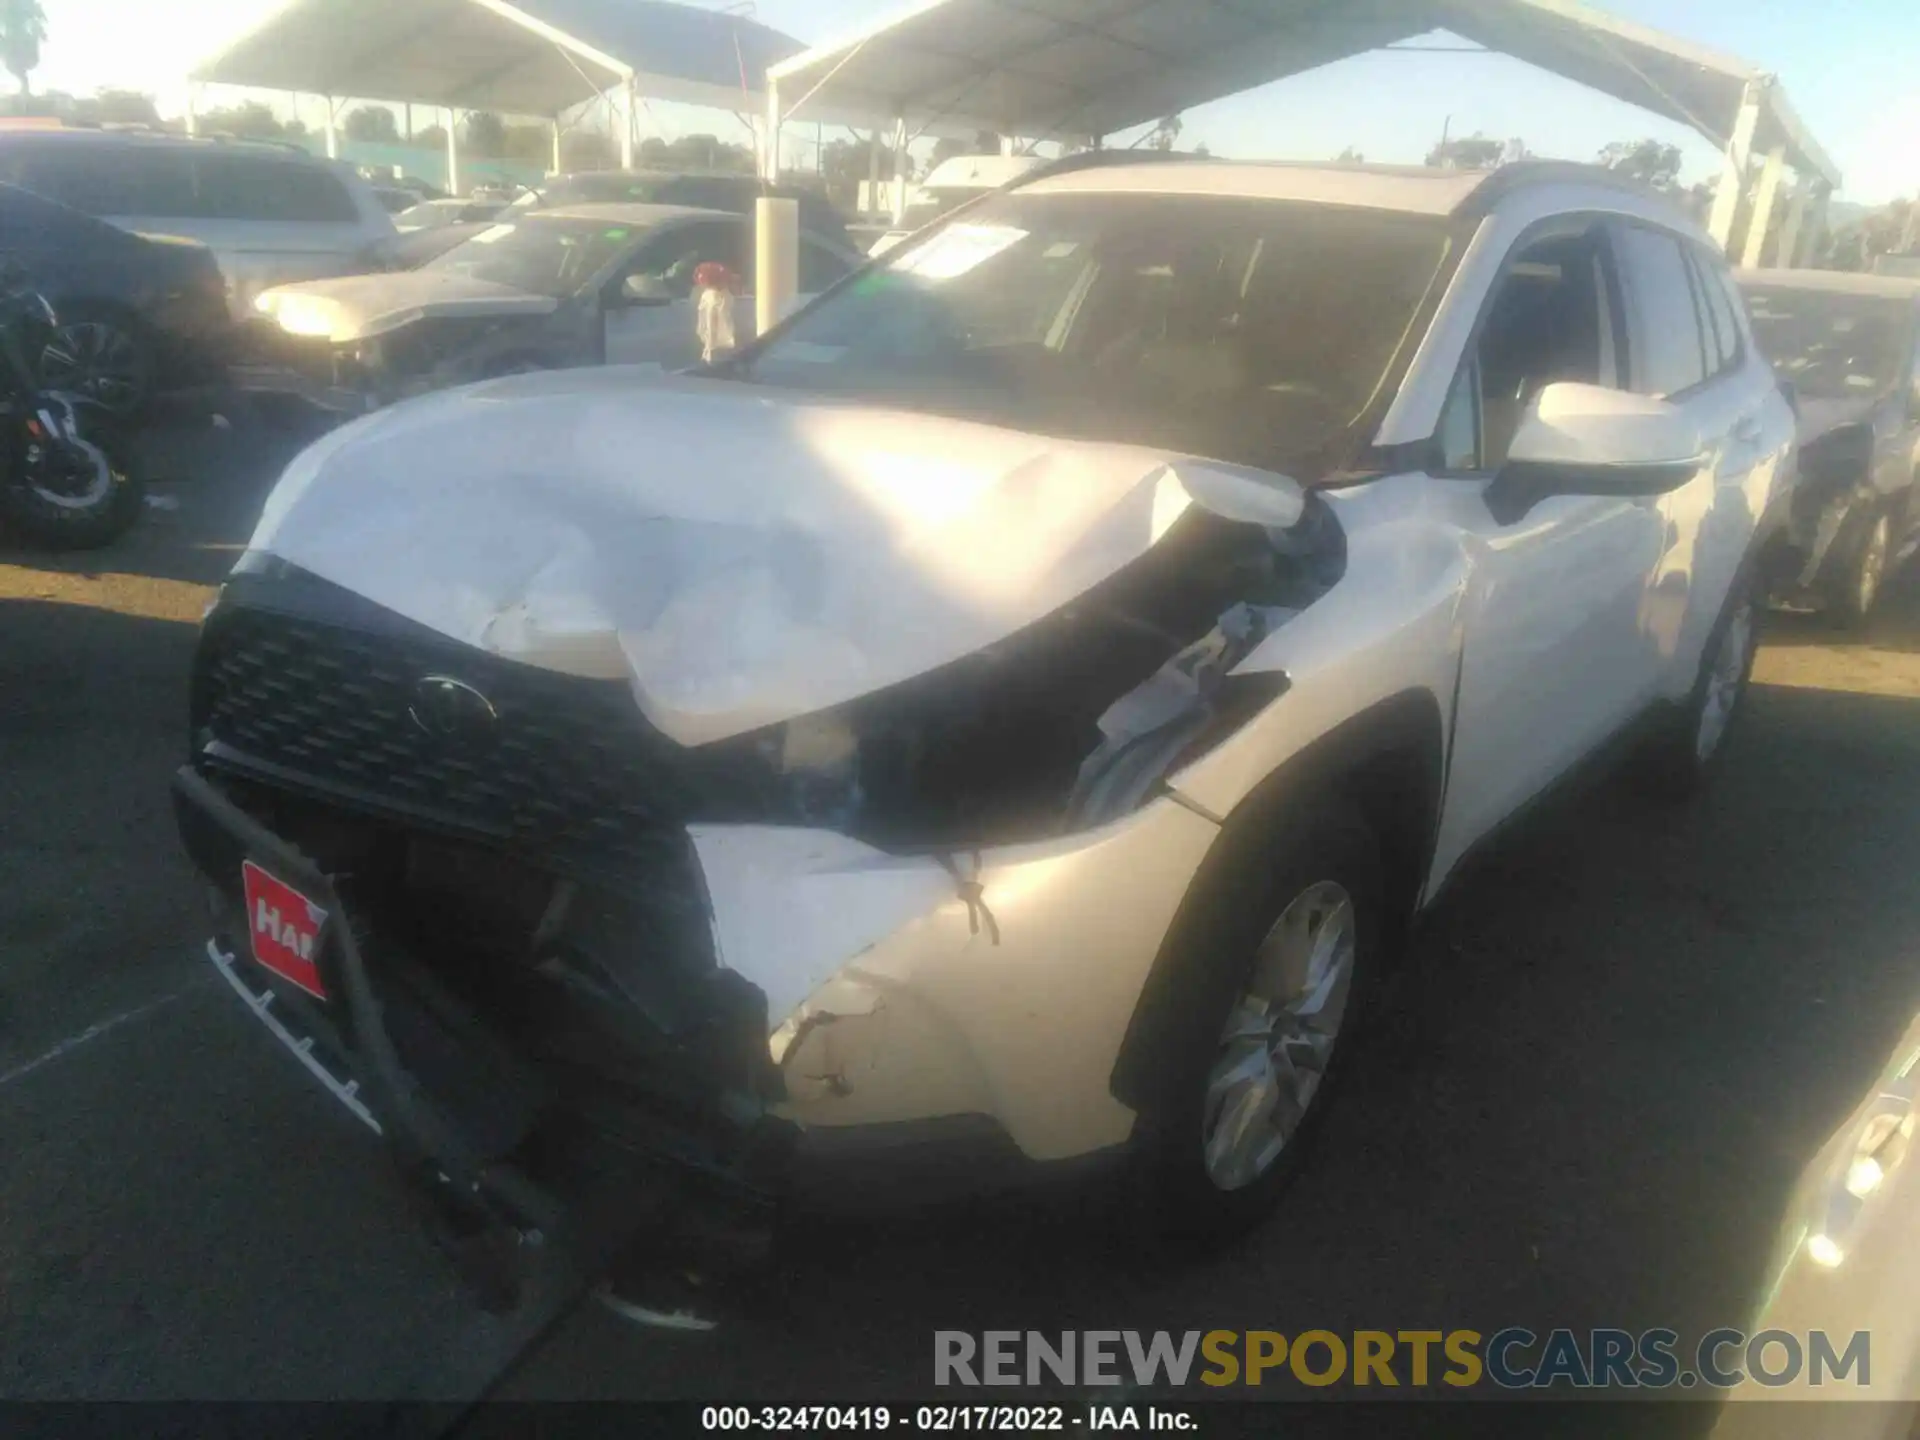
x=1686, y=345
x=273, y=220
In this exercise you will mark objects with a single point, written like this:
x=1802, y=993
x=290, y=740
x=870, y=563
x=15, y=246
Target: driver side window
x=676, y=255
x=1550, y=318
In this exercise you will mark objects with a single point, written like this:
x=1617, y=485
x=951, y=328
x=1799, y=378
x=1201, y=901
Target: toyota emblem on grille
x=452, y=710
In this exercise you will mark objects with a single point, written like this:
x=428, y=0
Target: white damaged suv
x=1029, y=695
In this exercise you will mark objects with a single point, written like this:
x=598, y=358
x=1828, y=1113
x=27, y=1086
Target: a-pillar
x=1733, y=173
x=1755, y=253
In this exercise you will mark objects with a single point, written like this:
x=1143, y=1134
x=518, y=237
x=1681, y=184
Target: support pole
x=872, y=206
x=629, y=98
x=1788, y=256
x=1007, y=143
x=333, y=128
x=409, y=108
x=776, y=259
x=453, y=151
x=193, y=107
x=1733, y=174
x=556, y=145
x=899, y=169
x=769, y=156
x=1756, y=250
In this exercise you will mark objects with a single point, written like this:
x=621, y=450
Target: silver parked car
x=270, y=213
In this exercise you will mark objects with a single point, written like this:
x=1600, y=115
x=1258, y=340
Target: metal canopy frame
x=516, y=57
x=1077, y=70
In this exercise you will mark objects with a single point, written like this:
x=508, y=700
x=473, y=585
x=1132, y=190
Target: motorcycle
x=66, y=477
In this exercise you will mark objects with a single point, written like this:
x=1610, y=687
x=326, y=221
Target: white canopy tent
x=533, y=57
x=1077, y=70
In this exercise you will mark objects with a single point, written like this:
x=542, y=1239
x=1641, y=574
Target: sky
x=1850, y=67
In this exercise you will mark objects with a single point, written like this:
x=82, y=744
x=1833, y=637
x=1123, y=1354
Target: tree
x=23, y=30
x=1349, y=156
x=434, y=137
x=947, y=149
x=373, y=124
x=124, y=107
x=1468, y=152
x=1163, y=135
x=586, y=150
x=532, y=143
x=1651, y=162
x=249, y=120
x=486, y=133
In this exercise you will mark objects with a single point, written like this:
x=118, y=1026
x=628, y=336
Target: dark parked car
x=542, y=290
x=731, y=193
x=134, y=314
x=1849, y=346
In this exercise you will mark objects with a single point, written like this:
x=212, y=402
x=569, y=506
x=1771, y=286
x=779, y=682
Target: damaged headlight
x=817, y=760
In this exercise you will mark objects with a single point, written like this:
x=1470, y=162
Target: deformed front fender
x=910, y=988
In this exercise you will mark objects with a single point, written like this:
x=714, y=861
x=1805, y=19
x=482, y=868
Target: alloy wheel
x=1279, y=1038
x=96, y=359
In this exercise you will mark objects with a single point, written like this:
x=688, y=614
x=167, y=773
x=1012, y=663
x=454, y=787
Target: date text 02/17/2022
x=935, y=1419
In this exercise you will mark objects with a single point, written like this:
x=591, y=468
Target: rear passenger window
x=1722, y=332
x=125, y=180
x=1663, y=324
x=258, y=187
x=1725, y=300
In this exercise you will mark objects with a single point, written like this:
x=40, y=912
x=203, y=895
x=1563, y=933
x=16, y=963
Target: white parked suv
x=1026, y=698
x=270, y=212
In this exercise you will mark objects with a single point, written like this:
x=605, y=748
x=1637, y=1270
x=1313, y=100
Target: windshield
x=1831, y=345
x=1250, y=331
x=544, y=256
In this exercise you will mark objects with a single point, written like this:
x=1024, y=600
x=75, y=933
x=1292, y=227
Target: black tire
x=103, y=355
x=39, y=519
x=1210, y=963
x=1678, y=761
x=1858, y=573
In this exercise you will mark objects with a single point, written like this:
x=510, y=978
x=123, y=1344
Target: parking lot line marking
x=94, y=1032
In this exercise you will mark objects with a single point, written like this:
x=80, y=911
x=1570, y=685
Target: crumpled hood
x=741, y=556
x=358, y=307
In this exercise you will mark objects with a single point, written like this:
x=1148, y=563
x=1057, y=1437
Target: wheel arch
x=1388, y=762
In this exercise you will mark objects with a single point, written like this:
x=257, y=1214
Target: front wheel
x=72, y=492
x=1273, y=960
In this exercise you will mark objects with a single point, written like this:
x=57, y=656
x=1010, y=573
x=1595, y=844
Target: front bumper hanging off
x=518, y=1237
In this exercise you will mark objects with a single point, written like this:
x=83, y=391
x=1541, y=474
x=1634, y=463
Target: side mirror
x=645, y=290
x=1589, y=440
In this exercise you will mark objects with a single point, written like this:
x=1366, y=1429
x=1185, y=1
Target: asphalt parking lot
x=1590, y=1092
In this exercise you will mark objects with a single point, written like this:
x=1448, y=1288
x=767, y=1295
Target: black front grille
x=569, y=770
